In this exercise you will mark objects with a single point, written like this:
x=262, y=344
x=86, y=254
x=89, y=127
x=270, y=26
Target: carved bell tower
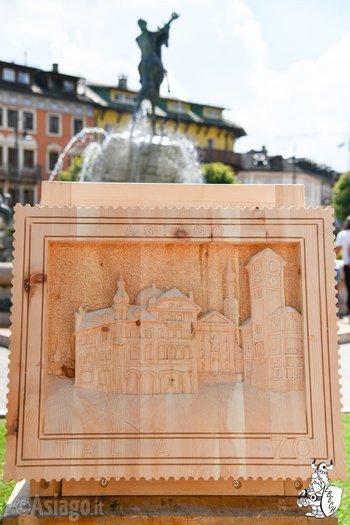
x=121, y=301
x=231, y=309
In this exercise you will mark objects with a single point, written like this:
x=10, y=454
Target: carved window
x=272, y=266
x=133, y=353
x=104, y=335
x=91, y=338
x=187, y=353
x=161, y=333
x=291, y=373
x=179, y=353
x=179, y=317
x=299, y=372
x=292, y=346
x=86, y=376
x=257, y=278
x=258, y=329
x=148, y=333
x=148, y=352
x=83, y=339
x=259, y=349
x=257, y=294
x=104, y=378
x=276, y=373
x=90, y=358
x=162, y=352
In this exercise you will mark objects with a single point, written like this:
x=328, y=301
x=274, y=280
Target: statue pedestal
x=154, y=510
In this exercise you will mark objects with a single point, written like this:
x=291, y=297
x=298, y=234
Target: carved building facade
x=158, y=345
x=162, y=345
x=272, y=338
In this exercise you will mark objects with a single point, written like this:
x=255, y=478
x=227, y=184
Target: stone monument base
x=153, y=510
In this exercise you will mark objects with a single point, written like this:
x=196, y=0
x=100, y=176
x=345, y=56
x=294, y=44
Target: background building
x=257, y=167
x=39, y=113
x=213, y=135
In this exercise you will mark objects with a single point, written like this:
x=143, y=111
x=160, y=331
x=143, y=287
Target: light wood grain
x=133, y=194
x=223, y=431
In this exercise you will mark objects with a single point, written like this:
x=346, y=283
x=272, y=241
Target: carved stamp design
x=225, y=367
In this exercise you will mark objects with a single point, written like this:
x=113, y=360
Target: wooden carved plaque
x=173, y=343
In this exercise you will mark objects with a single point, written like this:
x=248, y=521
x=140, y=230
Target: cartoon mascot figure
x=323, y=498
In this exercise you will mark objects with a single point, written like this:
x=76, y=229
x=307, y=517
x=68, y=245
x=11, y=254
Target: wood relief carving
x=167, y=343
x=163, y=345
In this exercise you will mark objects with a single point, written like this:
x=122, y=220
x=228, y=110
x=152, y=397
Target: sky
x=281, y=68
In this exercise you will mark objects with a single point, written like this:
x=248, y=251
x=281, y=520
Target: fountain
x=138, y=153
x=134, y=154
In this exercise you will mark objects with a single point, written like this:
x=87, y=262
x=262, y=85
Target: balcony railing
x=9, y=174
x=218, y=155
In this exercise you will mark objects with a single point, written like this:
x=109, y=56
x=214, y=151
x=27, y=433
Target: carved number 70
x=300, y=447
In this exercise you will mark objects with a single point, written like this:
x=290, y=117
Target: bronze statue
x=151, y=67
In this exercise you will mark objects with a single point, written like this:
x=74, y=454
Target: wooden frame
x=35, y=453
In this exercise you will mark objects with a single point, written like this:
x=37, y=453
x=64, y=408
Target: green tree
x=219, y=173
x=72, y=174
x=341, y=197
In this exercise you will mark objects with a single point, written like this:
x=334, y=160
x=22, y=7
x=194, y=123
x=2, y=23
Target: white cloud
x=305, y=106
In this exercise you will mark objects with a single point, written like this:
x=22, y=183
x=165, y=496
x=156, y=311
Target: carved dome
x=151, y=292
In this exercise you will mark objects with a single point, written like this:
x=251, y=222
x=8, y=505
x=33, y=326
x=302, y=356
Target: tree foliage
x=341, y=197
x=219, y=173
x=72, y=174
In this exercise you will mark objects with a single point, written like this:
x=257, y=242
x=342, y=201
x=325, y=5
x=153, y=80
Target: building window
x=68, y=86
x=54, y=124
x=78, y=125
x=1, y=118
x=210, y=143
x=28, y=120
x=12, y=157
x=28, y=158
x=12, y=118
x=8, y=74
x=53, y=158
x=28, y=197
x=23, y=77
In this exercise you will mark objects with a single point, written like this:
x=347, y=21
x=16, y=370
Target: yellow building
x=213, y=135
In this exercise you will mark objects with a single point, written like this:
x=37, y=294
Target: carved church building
x=158, y=345
x=272, y=337
x=162, y=345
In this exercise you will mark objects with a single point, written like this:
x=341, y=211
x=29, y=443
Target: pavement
x=344, y=341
